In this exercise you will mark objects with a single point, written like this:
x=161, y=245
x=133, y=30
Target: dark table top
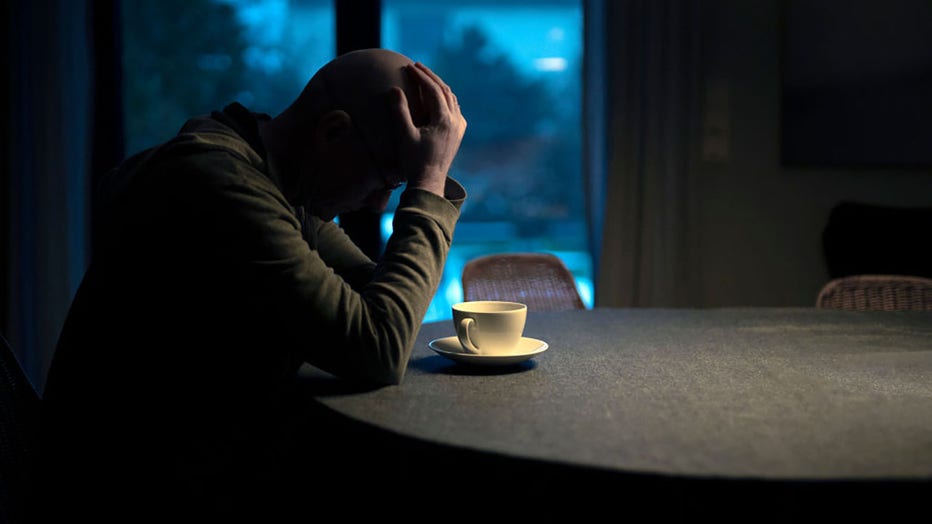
x=767, y=393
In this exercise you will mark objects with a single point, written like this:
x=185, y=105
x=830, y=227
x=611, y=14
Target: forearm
x=381, y=321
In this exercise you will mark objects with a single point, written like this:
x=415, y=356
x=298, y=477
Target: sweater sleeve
x=339, y=252
x=365, y=332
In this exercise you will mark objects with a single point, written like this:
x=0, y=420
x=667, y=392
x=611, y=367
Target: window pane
x=183, y=58
x=516, y=67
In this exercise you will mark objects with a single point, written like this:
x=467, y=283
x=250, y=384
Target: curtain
x=594, y=153
x=48, y=186
x=6, y=200
x=652, y=60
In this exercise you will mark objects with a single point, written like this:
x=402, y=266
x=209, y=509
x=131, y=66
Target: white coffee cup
x=489, y=327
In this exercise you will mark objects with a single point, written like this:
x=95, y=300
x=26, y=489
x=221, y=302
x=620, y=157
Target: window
x=187, y=57
x=516, y=67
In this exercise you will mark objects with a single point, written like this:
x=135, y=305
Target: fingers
x=433, y=97
x=452, y=101
x=427, y=149
x=403, y=112
x=447, y=92
x=443, y=97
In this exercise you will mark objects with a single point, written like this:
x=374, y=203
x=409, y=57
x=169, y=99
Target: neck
x=278, y=136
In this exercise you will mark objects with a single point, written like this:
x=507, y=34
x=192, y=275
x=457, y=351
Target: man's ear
x=332, y=127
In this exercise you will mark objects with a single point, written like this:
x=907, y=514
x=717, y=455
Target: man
x=217, y=271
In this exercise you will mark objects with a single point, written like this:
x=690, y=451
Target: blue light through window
x=516, y=67
x=257, y=52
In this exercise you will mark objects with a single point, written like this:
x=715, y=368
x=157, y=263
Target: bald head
x=359, y=83
x=339, y=142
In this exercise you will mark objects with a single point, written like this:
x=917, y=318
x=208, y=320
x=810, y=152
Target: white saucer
x=451, y=348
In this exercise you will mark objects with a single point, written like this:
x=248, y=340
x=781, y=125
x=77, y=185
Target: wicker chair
x=877, y=293
x=19, y=410
x=539, y=280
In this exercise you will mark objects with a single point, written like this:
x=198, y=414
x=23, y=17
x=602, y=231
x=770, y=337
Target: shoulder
x=212, y=147
x=207, y=159
x=199, y=175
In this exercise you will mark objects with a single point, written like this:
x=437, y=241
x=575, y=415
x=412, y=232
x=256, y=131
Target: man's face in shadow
x=359, y=165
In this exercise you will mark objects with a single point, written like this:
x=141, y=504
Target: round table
x=755, y=394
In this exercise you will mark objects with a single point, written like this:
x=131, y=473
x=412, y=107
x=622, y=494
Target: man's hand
x=427, y=151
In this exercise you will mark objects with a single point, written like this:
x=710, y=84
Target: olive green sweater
x=206, y=292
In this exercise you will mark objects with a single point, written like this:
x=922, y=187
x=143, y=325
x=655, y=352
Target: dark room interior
x=732, y=156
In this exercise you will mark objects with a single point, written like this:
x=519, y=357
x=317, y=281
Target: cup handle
x=465, y=325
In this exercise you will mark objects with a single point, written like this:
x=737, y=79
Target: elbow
x=384, y=346
x=392, y=378
x=383, y=365
x=389, y=356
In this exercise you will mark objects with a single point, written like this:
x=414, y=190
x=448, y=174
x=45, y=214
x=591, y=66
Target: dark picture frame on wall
x=857, y=83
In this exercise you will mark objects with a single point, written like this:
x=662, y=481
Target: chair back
x=869, y=239
x=877, y=293
x=540, y=280
x=19, y=412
